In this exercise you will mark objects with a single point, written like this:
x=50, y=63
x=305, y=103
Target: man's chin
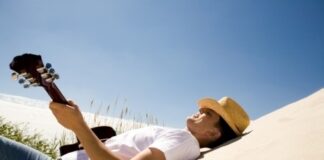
x=190, y=122
x=190, y=119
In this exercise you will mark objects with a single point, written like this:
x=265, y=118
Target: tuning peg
x=45, y=75
x=51, y=71
x=24, y=74
x=41, y=70
x=26, y=85
x=31, y=80
x=48, y=65
x=34, y=84
x=49, y=80
x=56, y=76
x=14, y=75
x=21, y=81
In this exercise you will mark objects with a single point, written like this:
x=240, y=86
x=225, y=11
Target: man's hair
x=226, y=133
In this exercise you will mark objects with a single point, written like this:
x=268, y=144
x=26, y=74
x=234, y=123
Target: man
x=215, y=123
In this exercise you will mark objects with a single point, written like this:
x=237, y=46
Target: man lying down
x=215, y=123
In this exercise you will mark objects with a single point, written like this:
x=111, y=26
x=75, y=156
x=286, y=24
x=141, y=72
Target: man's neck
x=201, y=140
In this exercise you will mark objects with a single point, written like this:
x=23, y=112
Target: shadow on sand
x=224, y=144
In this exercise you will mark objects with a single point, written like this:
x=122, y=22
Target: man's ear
x=214, y=133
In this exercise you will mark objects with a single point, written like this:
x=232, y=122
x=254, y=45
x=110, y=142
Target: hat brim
x=219, y=109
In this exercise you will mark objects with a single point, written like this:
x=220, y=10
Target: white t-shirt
x=176, y=144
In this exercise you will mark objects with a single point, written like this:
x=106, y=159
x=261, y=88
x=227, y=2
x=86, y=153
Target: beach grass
x=17, y=132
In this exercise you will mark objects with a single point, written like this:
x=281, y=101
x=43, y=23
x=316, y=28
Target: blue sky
x=160, y=57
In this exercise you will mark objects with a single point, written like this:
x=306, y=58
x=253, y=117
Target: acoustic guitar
x=29, y=70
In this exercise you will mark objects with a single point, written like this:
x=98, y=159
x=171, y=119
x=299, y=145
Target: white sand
x=294, y=132
x=37, y=118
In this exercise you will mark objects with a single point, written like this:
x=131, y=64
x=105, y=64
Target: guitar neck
x=56, y=95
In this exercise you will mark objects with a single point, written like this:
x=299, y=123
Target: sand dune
x=294, y=132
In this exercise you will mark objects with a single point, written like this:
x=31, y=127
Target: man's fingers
x=53, y=105
x=71, y=103
x=59, y=107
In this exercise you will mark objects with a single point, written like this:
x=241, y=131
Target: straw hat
x=233, y=114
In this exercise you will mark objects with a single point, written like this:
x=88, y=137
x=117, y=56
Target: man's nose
x=202, y=114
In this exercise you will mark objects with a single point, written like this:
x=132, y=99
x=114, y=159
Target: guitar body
x=30, y=71
x=102, y=132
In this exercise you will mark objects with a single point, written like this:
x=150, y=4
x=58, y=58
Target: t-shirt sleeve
x=177, y=146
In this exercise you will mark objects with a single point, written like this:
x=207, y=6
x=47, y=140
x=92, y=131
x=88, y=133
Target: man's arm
x=71, y=118
x=149, y=154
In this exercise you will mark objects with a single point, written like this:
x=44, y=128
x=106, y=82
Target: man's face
x=202, y=121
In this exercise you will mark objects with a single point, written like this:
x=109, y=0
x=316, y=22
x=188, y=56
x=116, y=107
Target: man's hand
x=68, y=115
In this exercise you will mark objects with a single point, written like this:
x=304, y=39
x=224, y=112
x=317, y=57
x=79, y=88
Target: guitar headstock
x=30, y=71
